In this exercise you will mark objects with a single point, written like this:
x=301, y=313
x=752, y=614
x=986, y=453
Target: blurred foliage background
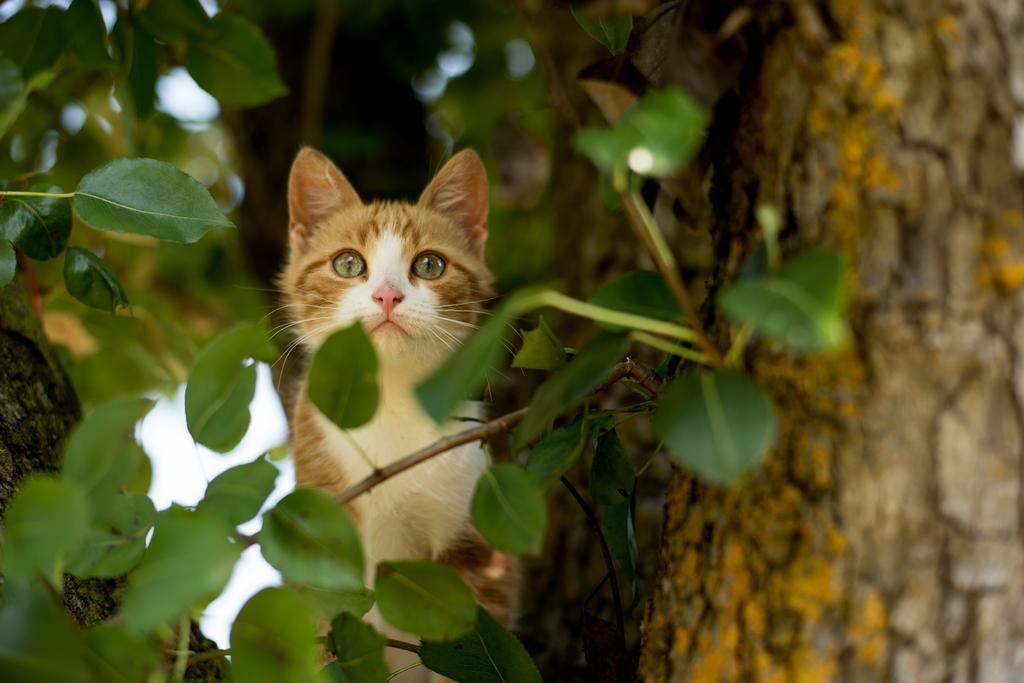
x=387, y=89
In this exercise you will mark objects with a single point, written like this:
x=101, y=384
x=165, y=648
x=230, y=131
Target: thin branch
x=643, y=375
x=246, y=540
x=484, y=431
x=402, y=645
x=613, y=579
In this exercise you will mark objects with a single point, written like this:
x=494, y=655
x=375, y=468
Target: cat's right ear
x=316, y=191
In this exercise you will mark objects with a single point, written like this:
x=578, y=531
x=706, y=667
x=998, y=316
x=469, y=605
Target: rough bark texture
x=883, y=538
x=38, y=407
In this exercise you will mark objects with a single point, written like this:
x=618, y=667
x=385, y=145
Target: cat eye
x=428, y=266
x=349, y=264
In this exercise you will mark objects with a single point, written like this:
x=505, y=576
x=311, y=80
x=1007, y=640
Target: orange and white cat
x=414, y=276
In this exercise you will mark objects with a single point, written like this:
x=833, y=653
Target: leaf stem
x=25, y=193
x=609, y=316
x=734, y=355
x=647, y=230
x=669, y=347
x=181, y=656
x=628, y=368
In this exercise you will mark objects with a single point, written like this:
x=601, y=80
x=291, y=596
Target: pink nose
x=387, y=298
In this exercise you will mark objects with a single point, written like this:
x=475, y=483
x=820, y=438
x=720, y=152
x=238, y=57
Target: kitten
x=414, y=276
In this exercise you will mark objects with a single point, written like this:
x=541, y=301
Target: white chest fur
x=416, y=513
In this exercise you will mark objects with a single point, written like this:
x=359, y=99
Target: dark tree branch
x=402, y=645
x=613, y=578
x=628, y=367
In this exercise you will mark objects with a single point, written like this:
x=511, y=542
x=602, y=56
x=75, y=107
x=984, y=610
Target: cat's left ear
x=459, y=191
x=316, y=191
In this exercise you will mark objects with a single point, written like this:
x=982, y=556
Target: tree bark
x=882, y=539
x=38, y=408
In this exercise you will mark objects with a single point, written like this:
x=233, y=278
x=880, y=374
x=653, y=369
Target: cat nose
x=387, y=297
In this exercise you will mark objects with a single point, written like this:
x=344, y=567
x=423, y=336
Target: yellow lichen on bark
x=853, y=111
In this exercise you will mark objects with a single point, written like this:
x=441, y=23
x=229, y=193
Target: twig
x=402, y=645
x=643, y=375
x=613, y=579
x=484, y=431
x=246, y=540
x=206, y=656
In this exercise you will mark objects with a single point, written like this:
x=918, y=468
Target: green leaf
x=359, y=650
x=655, y=137
x=612, y=32
x=489, y=654
x=541, y=349
x=147, y=197
x=272, y=640
x=12, y=93
x=802, y=304
x=237, y=494
x=508, y=509
x=236, y=64
x=187, y=564
x=39, y=226
x=33, y=38
x=45, y=521
x=612, y=477
x=91, y=281
x=310, y=538
x=330, y=602
x=176, y=20
x=558, y=451
x=620, y=533
x=342, y=380
x=116, y=538
x=38, y=642
x=114, y=655
x=640, y=293
x=425, y=598
x=466, y=370
x=720, y=424
x=86, y=34
x=8, y=262
x=570, y=385
x=221, y=387
x=102, y=454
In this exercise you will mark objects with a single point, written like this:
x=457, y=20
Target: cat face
x=412, y=274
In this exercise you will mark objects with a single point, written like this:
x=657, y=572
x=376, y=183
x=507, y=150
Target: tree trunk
x=882, y=539
x=38, y=407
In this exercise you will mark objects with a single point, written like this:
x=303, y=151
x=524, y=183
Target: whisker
x=465, y=303
x=282, y=328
